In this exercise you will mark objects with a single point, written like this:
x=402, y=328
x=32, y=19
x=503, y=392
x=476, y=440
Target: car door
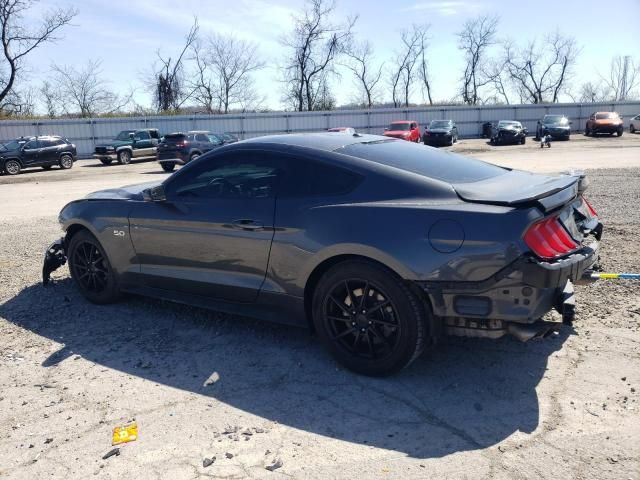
x=212, y=235
x=204, y=144
x=142, y=145
x=49, y=151
x=31, y=153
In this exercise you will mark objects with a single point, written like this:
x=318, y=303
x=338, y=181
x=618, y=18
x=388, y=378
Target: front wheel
x=124, y=157
x=106, y=161
x=66, y=162
x=368, y=318
x=632, y=129
x=91, y=270
x=168, y=166
x=523, y=140
x=620, y=132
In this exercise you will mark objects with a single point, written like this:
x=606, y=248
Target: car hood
x=514, y=187
x=397, y=133
x=439, y=130
x=556, y=126
x=129, y=192
x=608, y=121
x=509, y=129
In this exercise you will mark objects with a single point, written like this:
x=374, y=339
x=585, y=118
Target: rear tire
x=124, y=157
x=12, y=167
x=168, y=166
x=66, y=162
x=368, y=318
x=91, y=270
x=106, y=161
x=193, y=157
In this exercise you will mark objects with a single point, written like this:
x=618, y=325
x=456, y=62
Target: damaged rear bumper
x=513, y=300
x=54, y=257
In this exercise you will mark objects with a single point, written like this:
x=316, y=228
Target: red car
x=404, y=129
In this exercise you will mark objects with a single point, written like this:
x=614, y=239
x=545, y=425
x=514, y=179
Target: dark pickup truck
x=129, y=144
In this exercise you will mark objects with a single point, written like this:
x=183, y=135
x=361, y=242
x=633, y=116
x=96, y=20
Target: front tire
x=106, y=161
x=91, y=270
x=168, y=166
x=66, y=162
x=620, y=132
x=632, y=129
x=523, y=140
x=12, y=167
x=368, y=318
x=124, y=157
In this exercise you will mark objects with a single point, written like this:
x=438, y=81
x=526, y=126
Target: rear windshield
x=448, y=167
x=174, y=137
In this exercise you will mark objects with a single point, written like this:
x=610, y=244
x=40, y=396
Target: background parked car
x=346, y=130
x=508, y=131
x=404, y=129
x=129, y=144
x=228, y=137
x=557, y=126
x=604, y=122
x=634, y=124
x=29, y=152
x=440, y=132
x=181, y=148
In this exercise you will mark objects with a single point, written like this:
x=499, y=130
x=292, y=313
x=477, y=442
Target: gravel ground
x=267, y=402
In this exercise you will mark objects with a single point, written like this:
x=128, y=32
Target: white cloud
x=444, y=8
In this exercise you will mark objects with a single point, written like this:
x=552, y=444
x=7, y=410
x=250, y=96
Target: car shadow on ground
x=467, y=394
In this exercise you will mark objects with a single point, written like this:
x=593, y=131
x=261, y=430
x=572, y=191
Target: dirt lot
x=203, y=385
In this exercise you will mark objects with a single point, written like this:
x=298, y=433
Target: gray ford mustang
x=380, y=246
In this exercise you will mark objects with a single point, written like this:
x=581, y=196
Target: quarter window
x=313, y=178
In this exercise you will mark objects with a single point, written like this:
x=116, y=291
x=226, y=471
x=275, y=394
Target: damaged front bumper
x=54, y=257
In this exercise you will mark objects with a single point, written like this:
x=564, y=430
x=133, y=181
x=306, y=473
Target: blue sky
x=125, y=34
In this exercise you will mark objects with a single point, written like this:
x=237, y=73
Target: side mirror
x=156, y=194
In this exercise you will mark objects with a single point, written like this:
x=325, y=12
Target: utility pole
x=623, y=81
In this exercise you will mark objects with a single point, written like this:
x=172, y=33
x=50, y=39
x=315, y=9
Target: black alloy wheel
x=368, y=318
x=12, y=167
x=90, y=269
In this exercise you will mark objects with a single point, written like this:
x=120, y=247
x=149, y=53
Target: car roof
x=199, y=131
x=321, y=140
x=404, y=121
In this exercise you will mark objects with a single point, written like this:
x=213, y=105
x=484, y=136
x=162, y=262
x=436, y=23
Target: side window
x=201, y=137
x=314, y=178
x=48, y=143
x=234, y=175
x=30, y=145
x=155, y=134
x=191, y=137
x=142, y=135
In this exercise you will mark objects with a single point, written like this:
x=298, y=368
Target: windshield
x=440, y=124
x=603, y=116
x=13, y=145
x=504, y=123
x=124, y=135
x=555, y=120
x=213, y=138
x=408, y=156
x=399, y=126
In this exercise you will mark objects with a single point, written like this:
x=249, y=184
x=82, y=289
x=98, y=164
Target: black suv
x=28, y=152
x=557, y=126
x=180, y=148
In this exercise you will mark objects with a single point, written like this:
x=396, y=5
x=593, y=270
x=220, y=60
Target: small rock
x=207, y=462
x=277, y=463
x=111, y=453
x=48, y=440
x=228, y=455
x=31, y=445
x=624, y=379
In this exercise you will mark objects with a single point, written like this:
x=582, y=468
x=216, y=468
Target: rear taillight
x=592, y=210
x=549, y=239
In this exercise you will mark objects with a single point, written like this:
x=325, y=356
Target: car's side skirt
x=273, y=307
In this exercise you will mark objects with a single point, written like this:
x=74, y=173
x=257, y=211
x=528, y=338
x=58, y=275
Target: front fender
x=108, y=221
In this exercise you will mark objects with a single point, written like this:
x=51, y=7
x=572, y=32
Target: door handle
x=247, y=224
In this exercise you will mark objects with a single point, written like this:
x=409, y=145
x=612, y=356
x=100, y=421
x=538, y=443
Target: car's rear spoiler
x=517, y=187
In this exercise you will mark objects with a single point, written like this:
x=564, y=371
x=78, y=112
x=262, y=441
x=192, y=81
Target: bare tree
x=233, y=61
x=18, y=40
x=360, y=62
x=202, y=82
x=475, y=40
x=593, y=92
x=402, y=77
x=50, y=98
x=18, y=103
x=314, y=44
x=624, y=77
x=424, y=73
x=497, y=77
x=83, y=91
x=168, y=83
x=540, y=71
